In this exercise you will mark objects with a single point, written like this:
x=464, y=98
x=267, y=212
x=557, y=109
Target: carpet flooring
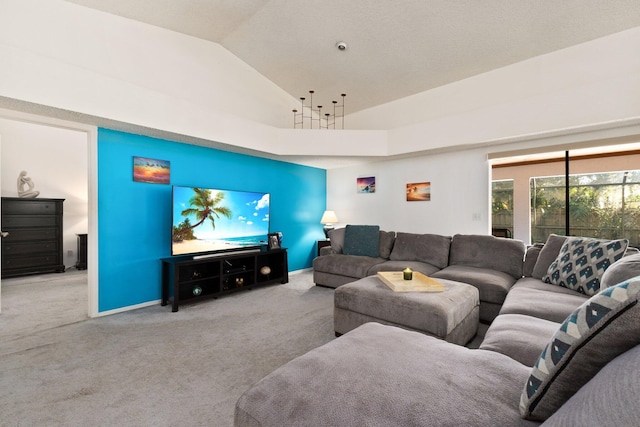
x=147, y=367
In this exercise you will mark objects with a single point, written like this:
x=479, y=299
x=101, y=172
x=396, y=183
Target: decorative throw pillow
x=362, y=240
x=603, y=327
x=582, y=262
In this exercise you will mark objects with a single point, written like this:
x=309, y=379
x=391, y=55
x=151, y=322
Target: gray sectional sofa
x=491, y=264
x=552, y=355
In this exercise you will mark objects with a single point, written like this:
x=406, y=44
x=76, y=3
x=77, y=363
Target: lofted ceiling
x=395, y=48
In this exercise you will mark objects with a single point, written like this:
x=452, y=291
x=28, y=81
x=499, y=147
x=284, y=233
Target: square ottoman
x=452, y=315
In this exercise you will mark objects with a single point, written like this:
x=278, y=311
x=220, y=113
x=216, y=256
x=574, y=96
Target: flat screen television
x=208, y=220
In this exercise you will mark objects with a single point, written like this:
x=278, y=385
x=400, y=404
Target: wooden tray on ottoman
x=419, y=283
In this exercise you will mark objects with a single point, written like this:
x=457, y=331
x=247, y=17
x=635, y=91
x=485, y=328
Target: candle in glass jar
x=407, y=273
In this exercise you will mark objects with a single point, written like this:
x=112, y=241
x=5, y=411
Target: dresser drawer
x=14, y=221
x=19, y=249
x=30, y=234
x=31, y=207
x=34, y=262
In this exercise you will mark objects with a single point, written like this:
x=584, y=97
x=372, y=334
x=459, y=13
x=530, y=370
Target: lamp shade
x=329, y=217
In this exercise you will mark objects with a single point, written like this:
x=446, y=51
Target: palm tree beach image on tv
x=207, y=220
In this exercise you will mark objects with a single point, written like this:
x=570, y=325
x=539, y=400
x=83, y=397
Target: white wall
x=581, y=96
x=459, y=193
x=59, y=54
x=65, y=56
x=460, y=185
x=56, y=160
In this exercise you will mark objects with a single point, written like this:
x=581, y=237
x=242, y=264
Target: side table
x=81, y=263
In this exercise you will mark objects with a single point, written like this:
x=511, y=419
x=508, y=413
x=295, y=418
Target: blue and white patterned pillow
x=603, y=327
x=582, y=262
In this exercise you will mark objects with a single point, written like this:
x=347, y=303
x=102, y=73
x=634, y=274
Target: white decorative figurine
x=24, y=180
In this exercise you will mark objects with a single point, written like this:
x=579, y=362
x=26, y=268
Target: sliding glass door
x=602, y=205
x=530, y=194
x=502, y=208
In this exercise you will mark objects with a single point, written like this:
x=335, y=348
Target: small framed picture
x=152, y=171
x=273, y=242
x=419, y=192
x=366, y=184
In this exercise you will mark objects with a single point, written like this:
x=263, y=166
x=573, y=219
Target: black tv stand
x=185, y=279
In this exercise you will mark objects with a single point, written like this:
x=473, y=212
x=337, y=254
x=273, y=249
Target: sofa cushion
x=430, y=248
x=492, y=285
x=336, y=237
x=582, y=261
x=381, y=375
x=533, y=297
x=624, y=269
x=548, y=254
x=605, y=326
x=632, y=251
x=608, y=399
x=518, y=336
x=531, y=258
x=346, y=265
x=482, y=251
x=387, y=240
x=363, y=240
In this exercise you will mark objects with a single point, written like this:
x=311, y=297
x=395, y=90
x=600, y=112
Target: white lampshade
x=329, y=217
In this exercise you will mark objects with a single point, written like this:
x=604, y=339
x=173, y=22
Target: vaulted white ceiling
x=395, y=48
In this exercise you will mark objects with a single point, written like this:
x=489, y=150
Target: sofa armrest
x=326, y=250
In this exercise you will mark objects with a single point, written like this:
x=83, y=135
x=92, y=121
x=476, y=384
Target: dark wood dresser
x=33, y=239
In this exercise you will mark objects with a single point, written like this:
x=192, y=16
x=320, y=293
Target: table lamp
x=328, y=219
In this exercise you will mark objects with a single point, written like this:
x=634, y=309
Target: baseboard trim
x=128, y=308
x=304, y=270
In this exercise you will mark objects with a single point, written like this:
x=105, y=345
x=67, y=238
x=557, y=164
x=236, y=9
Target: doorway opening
x=58, y=156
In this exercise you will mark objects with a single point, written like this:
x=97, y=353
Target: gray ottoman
x=452, y=315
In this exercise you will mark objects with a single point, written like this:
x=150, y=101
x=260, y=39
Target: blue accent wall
x=134, y=218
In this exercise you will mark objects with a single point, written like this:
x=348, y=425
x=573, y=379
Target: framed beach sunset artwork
x=419, y=192
x=366, y=184
x=151, y=170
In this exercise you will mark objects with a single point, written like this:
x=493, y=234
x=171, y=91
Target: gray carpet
x=147, y=367
x=39, y=302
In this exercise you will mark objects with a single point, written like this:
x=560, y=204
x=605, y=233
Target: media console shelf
x=185, y=279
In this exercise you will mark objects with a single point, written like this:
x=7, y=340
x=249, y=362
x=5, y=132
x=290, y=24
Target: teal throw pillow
x=362, y=240
x=582, y=261
x=602, y=328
